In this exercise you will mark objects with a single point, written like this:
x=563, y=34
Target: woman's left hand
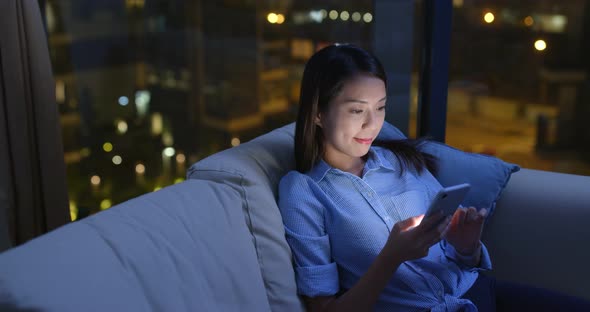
x=464, y=231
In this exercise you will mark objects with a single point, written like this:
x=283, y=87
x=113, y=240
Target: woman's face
x=353, y=120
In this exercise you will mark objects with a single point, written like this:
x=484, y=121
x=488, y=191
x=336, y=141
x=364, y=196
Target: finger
x=436, y=233
x=444, y=224
x=483, y=213
x=440, y=228
x=415, y=221
x=459, y=217
x=410, y=222
x=429, y=222
x=471, y=215
x=457, y=212
x=481, y=216
x=443, y=228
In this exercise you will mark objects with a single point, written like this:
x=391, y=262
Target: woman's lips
x=364, y=141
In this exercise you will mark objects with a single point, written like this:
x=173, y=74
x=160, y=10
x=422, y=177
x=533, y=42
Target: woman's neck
x=353, y=165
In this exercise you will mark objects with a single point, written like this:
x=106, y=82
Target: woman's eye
x=356, y=111
x=381, y=108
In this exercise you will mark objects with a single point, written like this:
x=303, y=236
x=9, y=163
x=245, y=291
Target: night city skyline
x=146, y=88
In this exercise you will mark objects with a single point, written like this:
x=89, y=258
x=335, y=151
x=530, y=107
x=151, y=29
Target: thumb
x=410, y=222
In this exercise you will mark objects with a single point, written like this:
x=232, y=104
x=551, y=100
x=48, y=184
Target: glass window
x=145, y=88
x=518, y=85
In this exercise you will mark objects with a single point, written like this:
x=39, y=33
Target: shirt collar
x=374, y=161
x=318, y=172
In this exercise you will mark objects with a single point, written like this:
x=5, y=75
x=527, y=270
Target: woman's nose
x=370, y=119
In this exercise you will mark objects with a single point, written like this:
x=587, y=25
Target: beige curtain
x=33, y=193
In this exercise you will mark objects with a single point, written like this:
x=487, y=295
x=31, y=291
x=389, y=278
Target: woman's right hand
x=412, y=238
x=409, y=239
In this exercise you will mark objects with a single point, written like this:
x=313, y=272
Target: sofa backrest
x=539, y=233
x=182, y=248
x=254, y=170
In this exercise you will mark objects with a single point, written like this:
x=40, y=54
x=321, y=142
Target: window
x=146, y=88
x=518, y=85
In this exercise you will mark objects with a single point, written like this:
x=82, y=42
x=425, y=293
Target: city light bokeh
x=146, y=88
x=489, y=17
x=540, y=45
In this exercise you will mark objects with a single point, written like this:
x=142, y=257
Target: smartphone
x=448, y=199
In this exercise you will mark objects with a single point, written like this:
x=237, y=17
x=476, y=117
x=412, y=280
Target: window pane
x=518, y=85
x=146, y=88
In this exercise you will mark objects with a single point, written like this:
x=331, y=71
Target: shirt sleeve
x=485, y=263
x=303, y=216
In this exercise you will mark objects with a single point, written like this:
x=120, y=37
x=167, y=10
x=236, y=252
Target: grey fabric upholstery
x=182, y=248
x=540, y=232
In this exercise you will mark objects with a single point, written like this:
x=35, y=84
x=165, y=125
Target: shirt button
x=369, y=194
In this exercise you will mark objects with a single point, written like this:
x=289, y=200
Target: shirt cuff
x=485, y=262
x=319, y=280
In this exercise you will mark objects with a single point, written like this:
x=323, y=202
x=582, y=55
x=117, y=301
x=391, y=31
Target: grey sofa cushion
x=254, y=169
x=182, y=248
x=539, y=234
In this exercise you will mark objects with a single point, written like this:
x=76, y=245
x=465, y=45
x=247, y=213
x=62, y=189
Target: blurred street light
x=540, y=45
x=272, y=18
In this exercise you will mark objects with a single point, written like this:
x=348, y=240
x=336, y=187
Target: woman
x=354, y=211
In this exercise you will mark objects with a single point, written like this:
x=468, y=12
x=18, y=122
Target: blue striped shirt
x=337, y=223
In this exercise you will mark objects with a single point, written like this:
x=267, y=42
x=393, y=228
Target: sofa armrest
x=540, y=231
x=183, y=248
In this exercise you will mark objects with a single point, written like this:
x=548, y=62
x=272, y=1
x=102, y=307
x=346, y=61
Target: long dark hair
x=323, y=78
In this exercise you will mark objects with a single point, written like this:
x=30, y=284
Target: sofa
x=215, y=242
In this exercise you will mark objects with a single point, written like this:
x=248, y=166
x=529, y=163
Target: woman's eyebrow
x=361, y=101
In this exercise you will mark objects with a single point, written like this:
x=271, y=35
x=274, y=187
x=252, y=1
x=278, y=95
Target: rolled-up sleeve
x=303, y=216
